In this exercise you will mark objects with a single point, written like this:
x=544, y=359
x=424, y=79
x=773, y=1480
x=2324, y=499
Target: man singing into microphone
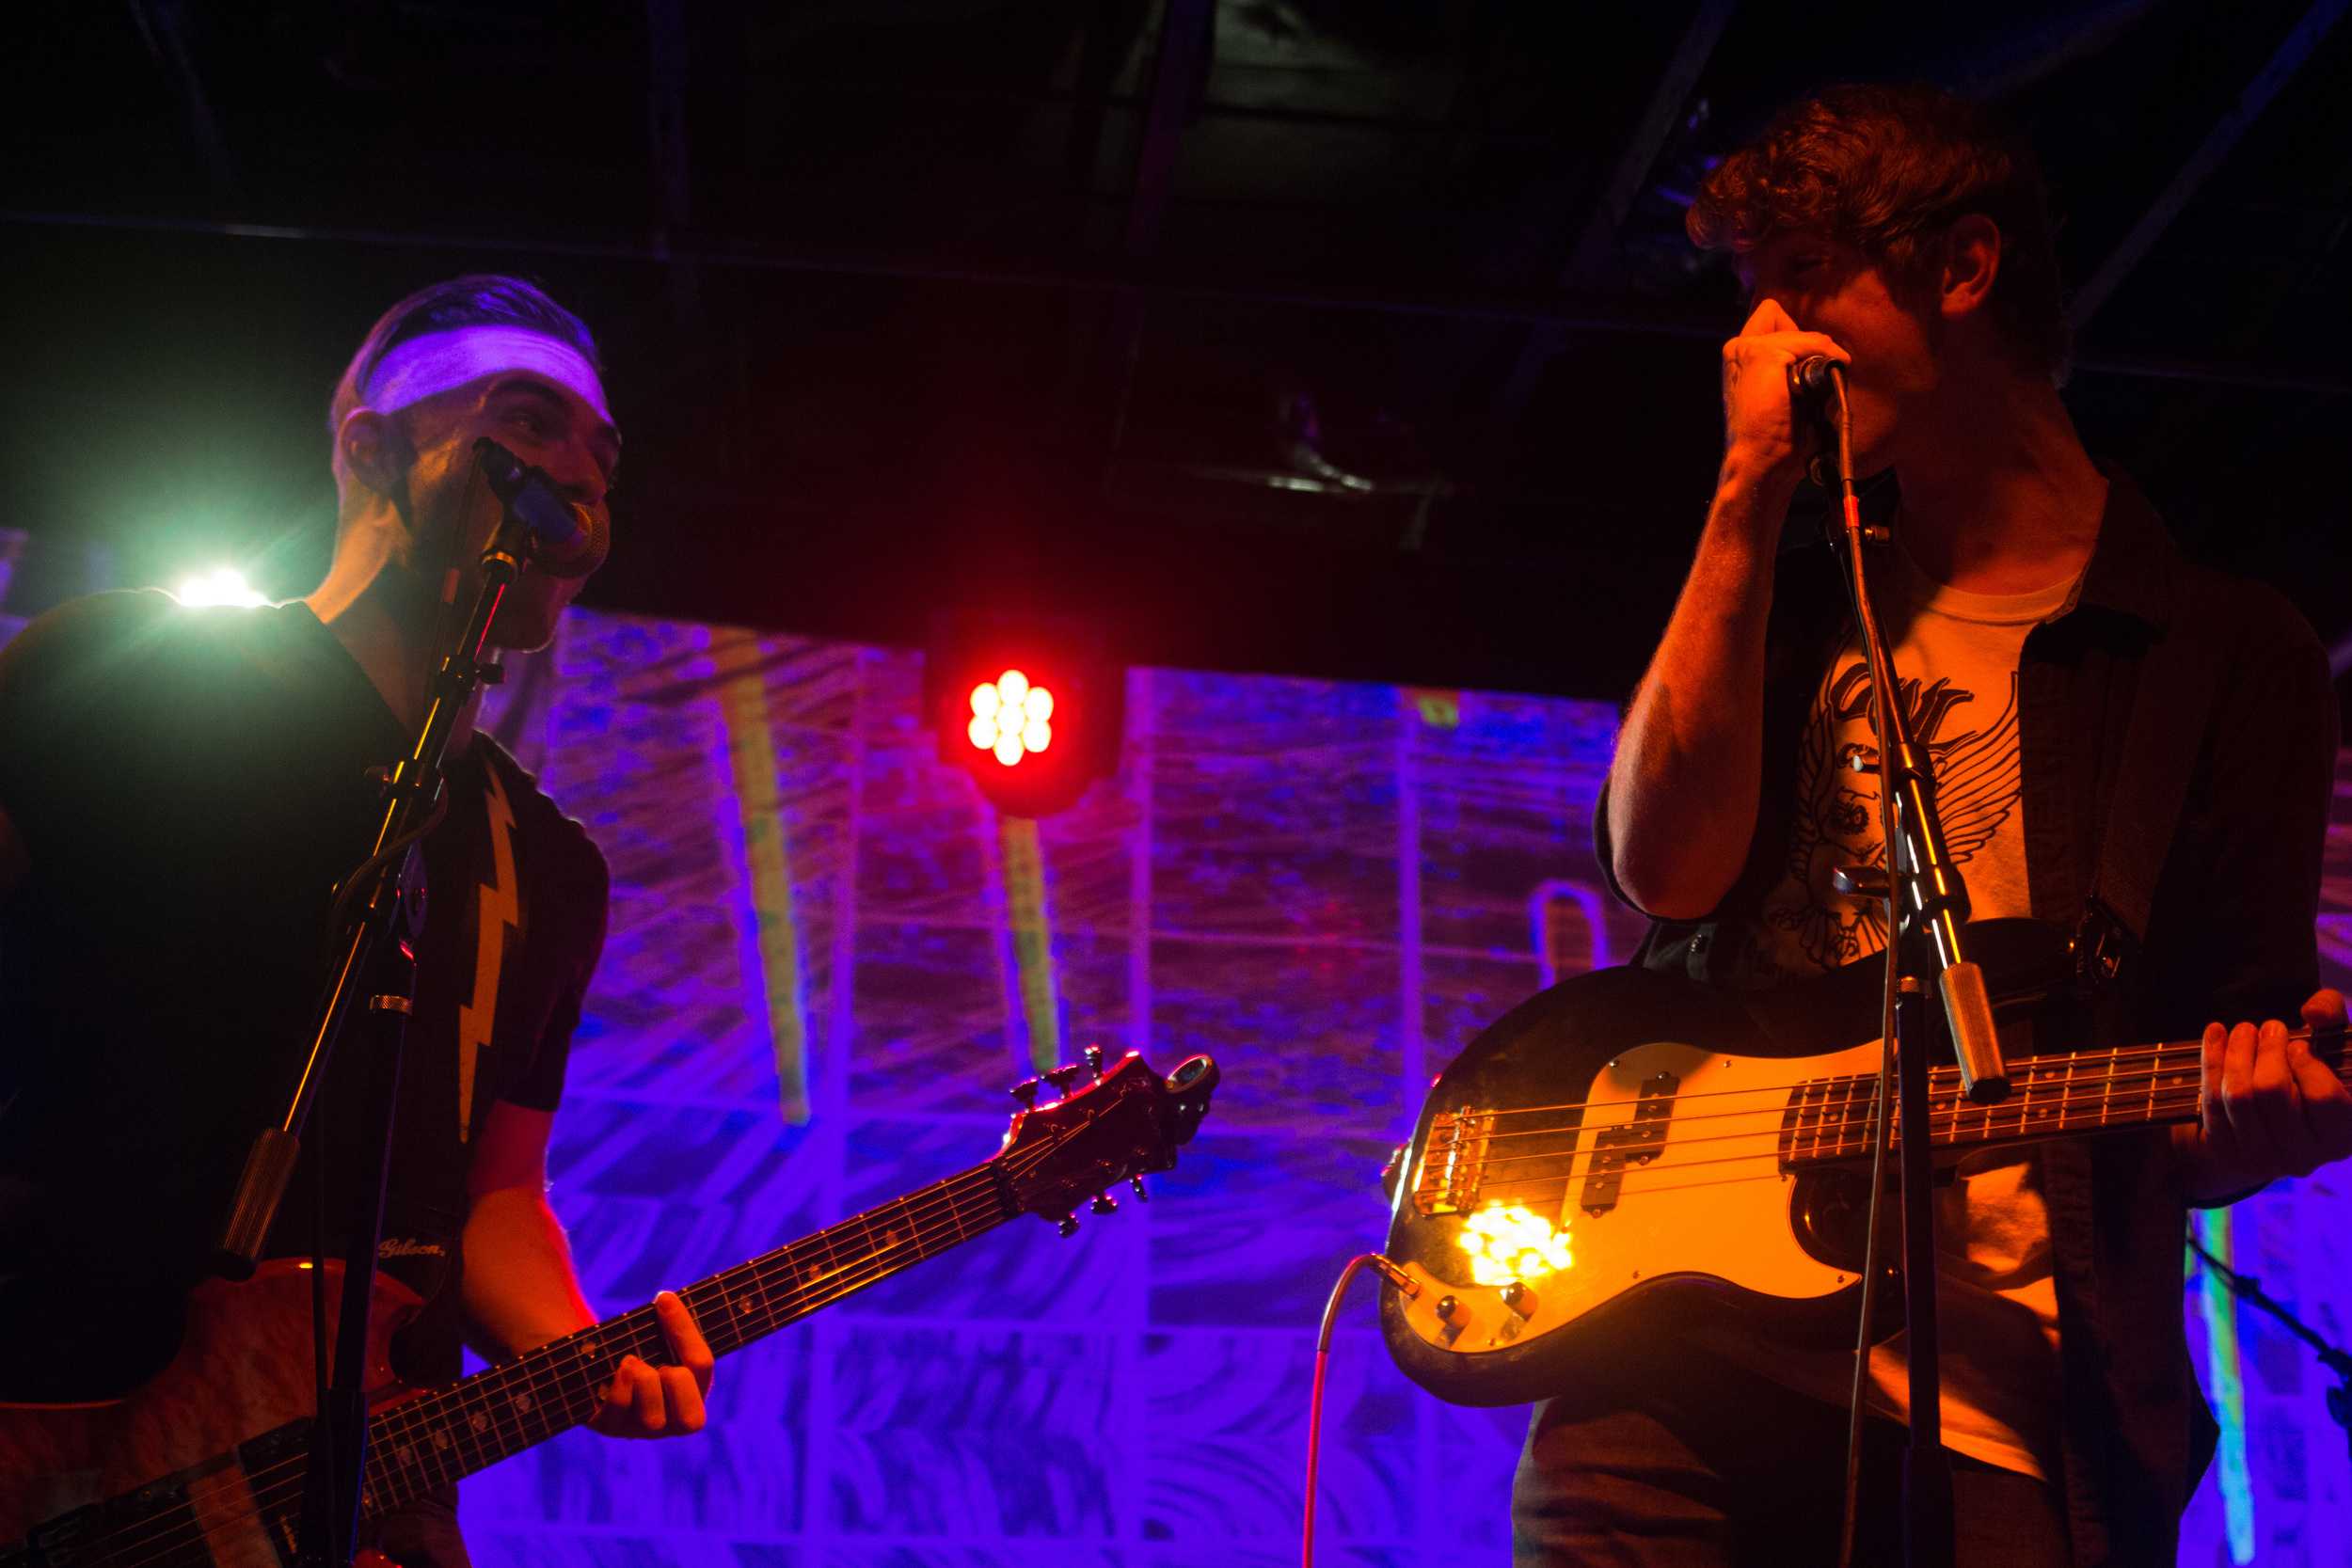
x=180, y=792
x=1899, y=233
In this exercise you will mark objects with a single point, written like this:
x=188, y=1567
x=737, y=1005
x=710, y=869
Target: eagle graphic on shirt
x=1977, y=778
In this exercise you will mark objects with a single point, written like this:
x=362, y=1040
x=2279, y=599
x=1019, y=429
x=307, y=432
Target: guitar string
x=1852, y=1109
x=538, y=1381
x=1935, y=1075
x=840, y=1283
x=266, y=1496
x=1541, y=1186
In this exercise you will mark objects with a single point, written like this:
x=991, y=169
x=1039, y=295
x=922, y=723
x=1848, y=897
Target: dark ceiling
x=1342, y=337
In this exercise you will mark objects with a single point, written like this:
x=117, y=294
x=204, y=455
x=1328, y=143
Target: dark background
x=1354, y=338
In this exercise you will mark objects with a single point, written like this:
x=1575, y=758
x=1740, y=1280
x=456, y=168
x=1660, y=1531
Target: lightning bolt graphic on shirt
x=500, y=913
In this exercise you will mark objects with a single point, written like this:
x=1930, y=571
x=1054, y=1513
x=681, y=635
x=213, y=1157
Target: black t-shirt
x=190, y=786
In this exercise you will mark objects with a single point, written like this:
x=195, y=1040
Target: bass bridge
x=1453, y=1162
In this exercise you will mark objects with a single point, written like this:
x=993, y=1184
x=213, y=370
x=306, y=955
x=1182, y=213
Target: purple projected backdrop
x=1327, y=887
x=810, y=1002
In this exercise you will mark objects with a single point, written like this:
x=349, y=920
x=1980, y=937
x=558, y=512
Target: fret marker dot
x=522, y=1401
x=481, y=1423
x=440, y=1439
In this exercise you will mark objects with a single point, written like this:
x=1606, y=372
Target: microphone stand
x=371, y=958
x=1927, y=908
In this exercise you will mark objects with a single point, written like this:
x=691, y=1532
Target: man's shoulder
x=541, y=820
x=89, y=636
x=2244, y=619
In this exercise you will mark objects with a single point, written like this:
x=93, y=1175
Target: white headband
x=422, y=366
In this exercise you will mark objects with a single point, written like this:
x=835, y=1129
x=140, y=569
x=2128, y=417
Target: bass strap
x=2172, y=697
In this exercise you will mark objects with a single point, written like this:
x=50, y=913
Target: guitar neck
x=1829, y=1120
x=425, y=1443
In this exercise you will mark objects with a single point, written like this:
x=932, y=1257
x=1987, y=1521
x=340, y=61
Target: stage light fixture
x=1011, y=719
x=1030, y=707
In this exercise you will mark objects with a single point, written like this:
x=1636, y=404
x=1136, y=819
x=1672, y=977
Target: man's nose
x=578, y=476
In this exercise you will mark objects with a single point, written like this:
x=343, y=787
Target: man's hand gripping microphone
x=1814, y=386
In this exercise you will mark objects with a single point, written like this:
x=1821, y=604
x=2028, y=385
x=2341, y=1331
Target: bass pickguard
x=1637, y=1156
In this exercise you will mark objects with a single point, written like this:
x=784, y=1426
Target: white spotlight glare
x=222, y=585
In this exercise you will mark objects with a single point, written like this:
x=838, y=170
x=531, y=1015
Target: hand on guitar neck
x=661, y=1401
x=2269, y=1105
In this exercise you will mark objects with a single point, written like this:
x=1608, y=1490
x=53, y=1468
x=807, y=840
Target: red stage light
x=1011, y=718
x=1030, y=706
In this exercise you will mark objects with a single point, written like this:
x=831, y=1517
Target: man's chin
x=522, y=633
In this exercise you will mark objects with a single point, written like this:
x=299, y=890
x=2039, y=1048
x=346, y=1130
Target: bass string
x=1938, y=1077
x=1627, y=1179
x=1781, y=1098
x=1850, y=1114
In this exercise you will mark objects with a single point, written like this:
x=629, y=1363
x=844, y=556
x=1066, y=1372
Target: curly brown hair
x=1888, y=170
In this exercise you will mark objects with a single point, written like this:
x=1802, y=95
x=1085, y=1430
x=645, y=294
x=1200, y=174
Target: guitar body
x=238, y=1396
x=1646, y=1122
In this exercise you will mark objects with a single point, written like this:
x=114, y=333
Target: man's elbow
x=1665, y=889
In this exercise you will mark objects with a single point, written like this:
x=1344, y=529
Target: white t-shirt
x=1956, y=656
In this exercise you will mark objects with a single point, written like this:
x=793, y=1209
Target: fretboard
x=428, y=1442
x=2133, y=1085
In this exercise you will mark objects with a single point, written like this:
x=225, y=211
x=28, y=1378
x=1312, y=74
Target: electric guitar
x=1635, y=1153
x=203, y=1466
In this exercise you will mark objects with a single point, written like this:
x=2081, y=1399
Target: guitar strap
x=2172, y=696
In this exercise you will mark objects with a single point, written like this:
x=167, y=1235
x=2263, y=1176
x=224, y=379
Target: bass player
x=1903, y=234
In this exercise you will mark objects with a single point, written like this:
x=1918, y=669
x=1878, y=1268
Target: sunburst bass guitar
x=1632, y=1153
x=203, y=1467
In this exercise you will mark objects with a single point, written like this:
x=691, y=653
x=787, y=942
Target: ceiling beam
x=164, y=27
x=1547, y=312
x=1595, y=250
x=665, y=134
x=1188, y=40
x=2296, y=48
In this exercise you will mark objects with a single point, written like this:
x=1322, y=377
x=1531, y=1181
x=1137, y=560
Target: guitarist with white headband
x=2028, y=592
x=181, y=790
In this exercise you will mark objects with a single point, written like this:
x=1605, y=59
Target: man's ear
x=374, y=450
x=1972, y=259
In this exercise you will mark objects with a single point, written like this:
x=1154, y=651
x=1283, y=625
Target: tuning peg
x=1094, y=1059
x=1104, y=1204
x=1067, y=1225
x=1025, y=1092
x=1061, y=1077
x=1141, y=1196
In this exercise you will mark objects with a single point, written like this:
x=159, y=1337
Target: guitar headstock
x=1126, y=1122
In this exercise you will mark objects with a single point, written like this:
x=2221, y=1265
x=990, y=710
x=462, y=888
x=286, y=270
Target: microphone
x=563, y=538
x=1812, y=378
